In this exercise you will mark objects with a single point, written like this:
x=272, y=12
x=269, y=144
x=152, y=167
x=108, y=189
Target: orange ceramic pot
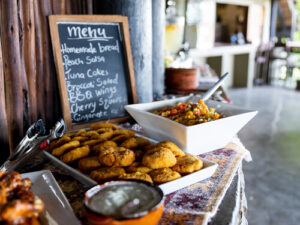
x=181, y=79
x=150, y=217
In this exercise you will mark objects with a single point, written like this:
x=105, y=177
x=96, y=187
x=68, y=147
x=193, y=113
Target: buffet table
x=199, y=203
x=233, y=208
x=216, y=200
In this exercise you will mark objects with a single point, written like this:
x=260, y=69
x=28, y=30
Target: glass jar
x=174, y=29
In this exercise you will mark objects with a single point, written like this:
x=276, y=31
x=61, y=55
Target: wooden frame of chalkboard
x=92, y=32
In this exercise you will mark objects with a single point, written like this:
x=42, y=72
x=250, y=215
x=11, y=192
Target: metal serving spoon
x=212, y=90
x=128, y=208
x=214, y=87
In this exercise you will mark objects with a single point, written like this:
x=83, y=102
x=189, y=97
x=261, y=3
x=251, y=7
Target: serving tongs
x=33, y=141
x=35, y=130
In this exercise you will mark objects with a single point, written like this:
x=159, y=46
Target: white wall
x=202, y=35
x=266, y=4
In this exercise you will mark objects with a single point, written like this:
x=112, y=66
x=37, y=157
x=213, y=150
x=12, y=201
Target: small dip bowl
x=123, y=203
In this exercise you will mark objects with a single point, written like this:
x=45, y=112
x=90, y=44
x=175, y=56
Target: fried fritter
x=164, y=175
x=116, y=156
x=89, y=133
x=64, y=139
x=75, y=134
x=173, y=147
x=88, y=164
x=80, y=138
x=129, y=133
x=120, y=138
x=96, y=139
x=100, y=147
x=138, y=154
x=62, y=149
x=188, y=164
x=104, y=129
x=135, y=142
x=68, y=135
x=136, y=176
x=159, y=158
x=103, y=136
x=138, y=167
x=97, y=126
x=92, y=142
x=75, y=154
x=106, y=173
x=149, y=147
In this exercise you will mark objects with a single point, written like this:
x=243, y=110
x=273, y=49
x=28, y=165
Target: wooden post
x=47, y=67
x=22, y=42
x=89, y=6
x=12, y=70
x=139, y=13
x=29, y=56
x=3, y=118
x=39, y=61
x=158, y=44
x=62, y=6
x=68, y=5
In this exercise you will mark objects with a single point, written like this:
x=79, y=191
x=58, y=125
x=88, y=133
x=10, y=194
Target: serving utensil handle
x=214, y=87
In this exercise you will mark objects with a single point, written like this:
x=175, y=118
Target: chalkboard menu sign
x=95, y=70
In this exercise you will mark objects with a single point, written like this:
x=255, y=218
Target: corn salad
x=190, y=113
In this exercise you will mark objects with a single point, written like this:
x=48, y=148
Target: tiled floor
x=273, y=137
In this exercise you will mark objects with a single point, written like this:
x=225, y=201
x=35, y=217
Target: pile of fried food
x=106, y=152
x=18, y=205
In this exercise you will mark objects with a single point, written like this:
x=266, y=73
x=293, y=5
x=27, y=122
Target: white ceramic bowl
x=194, y=139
